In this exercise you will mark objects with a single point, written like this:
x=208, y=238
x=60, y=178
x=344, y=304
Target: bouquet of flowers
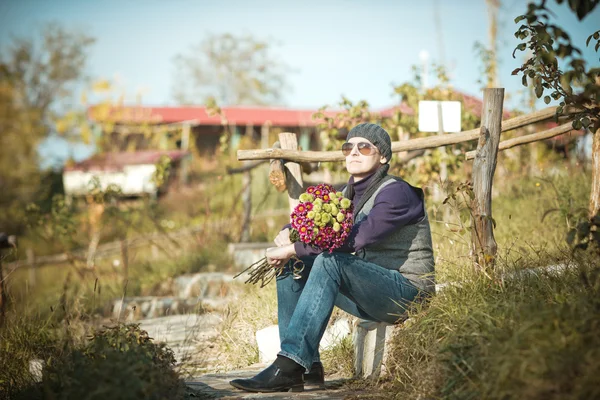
x=322, y=219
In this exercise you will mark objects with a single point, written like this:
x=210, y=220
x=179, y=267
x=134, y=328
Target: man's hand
x=278, y=256
x=283, y=238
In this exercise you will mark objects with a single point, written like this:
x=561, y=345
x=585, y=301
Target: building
x=132, y=172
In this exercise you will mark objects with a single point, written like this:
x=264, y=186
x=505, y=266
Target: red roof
x=116, y=161
x=235, y=115
x=403, y=108
x=249, y=115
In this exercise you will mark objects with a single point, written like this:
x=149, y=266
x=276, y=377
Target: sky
x=355, y=48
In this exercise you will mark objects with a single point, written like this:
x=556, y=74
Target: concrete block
x=370, y=343
x=335, y=332
x=267, y=340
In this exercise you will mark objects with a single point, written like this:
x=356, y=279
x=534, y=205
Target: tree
x=38, y=76
x=556, y=65
x=232, y=70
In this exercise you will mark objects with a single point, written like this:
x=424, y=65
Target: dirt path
x=216, y=386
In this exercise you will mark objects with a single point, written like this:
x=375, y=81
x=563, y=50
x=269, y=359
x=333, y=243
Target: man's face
x=363, y=159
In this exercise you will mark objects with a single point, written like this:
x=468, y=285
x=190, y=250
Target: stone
x=36, y=367
x=202, y=285
x=246, y=254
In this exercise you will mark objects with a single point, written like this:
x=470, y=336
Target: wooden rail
x=422, y=143
x=518, y=141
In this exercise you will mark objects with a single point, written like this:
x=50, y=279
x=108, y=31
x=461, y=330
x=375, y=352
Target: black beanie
x=376, y=135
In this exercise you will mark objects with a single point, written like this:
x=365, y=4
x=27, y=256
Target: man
x=386, y=263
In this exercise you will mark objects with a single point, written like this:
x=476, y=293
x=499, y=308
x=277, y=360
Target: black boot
x=283, y=375
x=316, y=376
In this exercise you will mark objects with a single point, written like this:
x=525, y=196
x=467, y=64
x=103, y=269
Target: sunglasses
x=364, y=148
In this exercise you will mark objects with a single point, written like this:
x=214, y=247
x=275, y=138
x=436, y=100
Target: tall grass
x=533, y=336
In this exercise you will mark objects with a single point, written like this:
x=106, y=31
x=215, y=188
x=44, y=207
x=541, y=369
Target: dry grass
x=254, y=309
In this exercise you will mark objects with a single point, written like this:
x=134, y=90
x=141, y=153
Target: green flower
x=335, y=201
x=317, y=216
x=339, y=194
x=318, y=201
x=340, y=217
x=317, y=208
x=310, y=214
x=327, y=207
x=303, y=198
x=325, y=217
x=345, y=203
x=336, y=227
x=334, y=210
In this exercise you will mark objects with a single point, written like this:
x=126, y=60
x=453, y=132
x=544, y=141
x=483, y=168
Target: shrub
x=119, y=362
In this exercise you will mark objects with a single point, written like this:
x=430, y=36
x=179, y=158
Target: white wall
x=133, y=180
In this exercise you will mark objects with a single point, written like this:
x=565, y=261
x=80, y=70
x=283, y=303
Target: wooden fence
x=484, y=164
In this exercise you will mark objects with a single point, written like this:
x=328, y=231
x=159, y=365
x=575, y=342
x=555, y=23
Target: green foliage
x=576, y=85
x=37, y=76
x=57, y=225
x=586, y=234
x=119, y=362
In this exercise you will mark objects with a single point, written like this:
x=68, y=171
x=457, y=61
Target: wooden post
x=185, y=144
x=484, y=245
x=125, y=259
x=276, y=171
x=594, y=208
x=31, y=262
x=443, y=167
x=3, y=297
x=264, y=135
x=247, y=201
x=293, y=176
x=6, y=242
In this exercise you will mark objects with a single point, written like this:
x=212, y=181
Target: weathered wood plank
x=594, y=208
x=276, y=172
x=482, y=233
x=518, y=141
x=422, y=143
x=293, y=175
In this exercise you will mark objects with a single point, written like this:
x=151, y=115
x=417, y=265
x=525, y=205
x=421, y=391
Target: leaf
x=547, y=99
x=571, y=236
x=548, y=212
x=539, y=90
x=519, y=18
x=585, y=122
x=583, y=229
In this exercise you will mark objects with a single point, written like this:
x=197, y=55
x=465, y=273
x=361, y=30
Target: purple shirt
x=396, y=205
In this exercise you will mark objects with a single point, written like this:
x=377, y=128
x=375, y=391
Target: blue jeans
x=360, y=288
